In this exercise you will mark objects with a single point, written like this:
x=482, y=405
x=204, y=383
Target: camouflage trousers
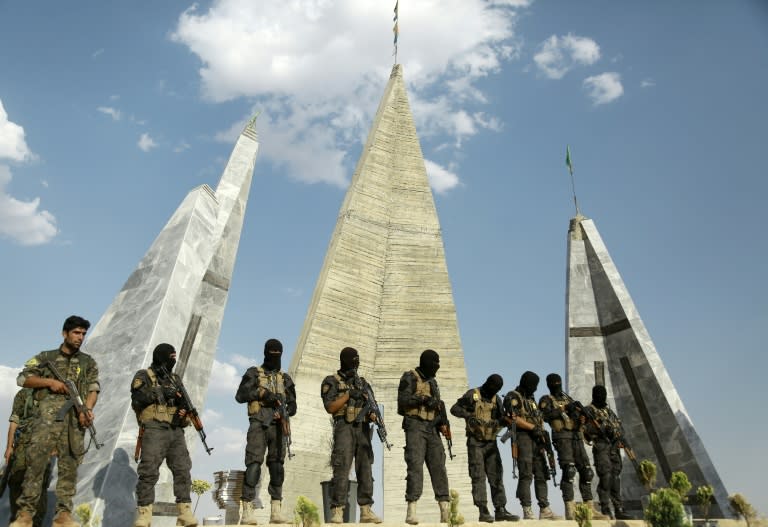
x=46, y=435
x=424, y=446
x=571, y=451
x=352, y=440
x=608, y=468
x=163, y=443
x=16, y=481
x=485, y=462
x=264, y=440
x=532, y=465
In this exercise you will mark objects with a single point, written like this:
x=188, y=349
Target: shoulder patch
x=326, y=387
x=32, y=362
x=543, y=403
x=514, y=401
x=137, y=382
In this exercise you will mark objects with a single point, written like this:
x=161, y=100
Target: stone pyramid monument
x=607, y=344
x=177, y=294
x=383, y=289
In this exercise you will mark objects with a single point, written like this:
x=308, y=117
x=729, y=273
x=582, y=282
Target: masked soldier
x=482, y=410
x=162, y=417
x=58, y=426
x=562, y=414
x=271, y=396
x=344, y=397
x=424, y=418
x=24, y=410
x=604, y=432
x=520, y=405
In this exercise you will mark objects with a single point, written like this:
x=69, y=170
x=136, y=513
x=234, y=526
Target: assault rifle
x=6, y=474
x=511, y=433
x=372, y=407
x=186, y=404
x=447, y=432
x=285, y=425
x=545, y=447
x=75, y=400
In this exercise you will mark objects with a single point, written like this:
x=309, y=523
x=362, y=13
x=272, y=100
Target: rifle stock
x=371, y=406
x=191, y=411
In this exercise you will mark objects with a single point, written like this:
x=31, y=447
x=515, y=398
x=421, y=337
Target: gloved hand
x=432, y=403
x=473, y=422
x=572, y=407
x=169, y=393
x=355, y=394
x=269, y=399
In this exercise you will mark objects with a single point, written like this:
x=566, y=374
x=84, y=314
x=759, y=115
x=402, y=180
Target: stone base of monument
x=545, y=523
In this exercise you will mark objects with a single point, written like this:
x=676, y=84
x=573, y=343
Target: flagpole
x=396, y=28
x=569, y=164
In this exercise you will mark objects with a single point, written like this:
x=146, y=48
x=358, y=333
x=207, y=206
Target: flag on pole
x=396, y=29
x=568, y=159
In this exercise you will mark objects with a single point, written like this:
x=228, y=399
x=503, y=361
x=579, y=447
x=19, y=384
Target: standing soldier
x=271, y=395
x=604, y=431
x=24, y=410
x=162, y=418
x=344, y=398
x=520, y=405
x=58, y=426
x=562, y=414
x=482, y=409
x=424, y=418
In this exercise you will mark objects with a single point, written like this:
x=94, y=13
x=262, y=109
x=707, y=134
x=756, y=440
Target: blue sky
x=111, y=112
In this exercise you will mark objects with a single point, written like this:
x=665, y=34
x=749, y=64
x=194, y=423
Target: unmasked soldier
x=484, y=415
x=520, y=405
x=561, y=412
x=23, y=412
x=604, y=432
x=162, y=417
x=268, y=393
x=58, y=426
x=424, y=418
x=344, y=398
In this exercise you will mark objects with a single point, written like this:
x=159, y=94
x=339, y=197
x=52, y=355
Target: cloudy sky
x=110, y=113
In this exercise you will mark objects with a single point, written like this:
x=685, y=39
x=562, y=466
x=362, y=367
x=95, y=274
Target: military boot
x=528, y=513
x=367, y=515
x=247, y=513
x=596, y=514
x=410, y=515
x=570, y=510
x=503, y=515
x=184, y=515
x=337, y=515
x=143, y=516
x=23, y=519
x=606, y=510
x=484, y=516
x=275, y=516
x=621, y=514
x=64, y=519
x=445, y=511
x=545, y=513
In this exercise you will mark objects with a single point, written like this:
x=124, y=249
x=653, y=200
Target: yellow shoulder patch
x=137, y=383
x=326, y=387
x=514, y=402
x=32, y=362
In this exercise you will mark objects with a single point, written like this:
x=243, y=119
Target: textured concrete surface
x=608, y=343
x=177, y=294
x=383, y=289
x=564, y=523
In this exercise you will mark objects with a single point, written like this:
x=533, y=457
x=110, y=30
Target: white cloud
x=647, y=83
x=23, y=221
x=558, y=55
x=229, y=440
x=12, y=143
x=242, y=362
x=97, y=53
x=181, y=147
x=146, y=143
x=223, y=377
x=8, y=386
x=604, y=88
x=112, y=112
x=309, y=126
x=440, y=178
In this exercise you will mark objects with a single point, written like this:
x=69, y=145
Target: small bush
x=305, y=514
x=455, y=518
x=648, y=474
x=741, y=507
x=679, y=482
x=665, y=509
x=583, y=515
x=199, y=487
x=704, y=495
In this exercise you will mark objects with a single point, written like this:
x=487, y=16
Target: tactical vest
x=484, y=414
x=274, y=382
x=605, y=418
x=423, y=388
x=71, y=369
x=529, y=411
x=156, y=411
x=348, y=412
x=562, y=421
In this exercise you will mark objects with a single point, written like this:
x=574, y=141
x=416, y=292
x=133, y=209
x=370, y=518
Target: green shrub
x=648, y=474
x=741, y=507
x=305, y=514
x=665, y=509
x=679, y=482
x=704, y=495
x=199, y=487
x=583, y=515
x=455, y=517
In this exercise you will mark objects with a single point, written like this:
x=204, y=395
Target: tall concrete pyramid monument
x=607, y=344
x=177, y=294
x=383, y=289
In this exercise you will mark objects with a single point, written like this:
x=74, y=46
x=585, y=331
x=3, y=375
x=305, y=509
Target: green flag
x=568, y=159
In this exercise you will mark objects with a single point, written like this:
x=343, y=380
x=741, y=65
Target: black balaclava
x=161, y=356
x=429, y=363
x=599, y=396
x=529, y=381
x=349, y=360
x=273, y=349
x=555, y=384
x=491, y=386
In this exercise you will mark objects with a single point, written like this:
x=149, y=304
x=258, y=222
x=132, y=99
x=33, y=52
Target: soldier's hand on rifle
x=473, y=422
x=431, y=403
x=372, y=417
x=355, y=394
x=86, y=418
x=170, y=393
x=270, y=399
x=8, y=454
x=57, y=386
x=445, y=431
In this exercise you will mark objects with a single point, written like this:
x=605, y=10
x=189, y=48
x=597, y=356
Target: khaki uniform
x=49, y=433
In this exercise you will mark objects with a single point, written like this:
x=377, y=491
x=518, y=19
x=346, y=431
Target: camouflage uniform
x=531, y=461
x=261, y=388
x=569, y=443
x=48, y=434
x=607, y=457
x=422, y=438
x=156, y=407
x=352, y=434
x=24, y=410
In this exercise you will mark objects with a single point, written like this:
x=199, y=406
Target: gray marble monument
x=177, y=294
x=607, y=344
x=383, y=289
